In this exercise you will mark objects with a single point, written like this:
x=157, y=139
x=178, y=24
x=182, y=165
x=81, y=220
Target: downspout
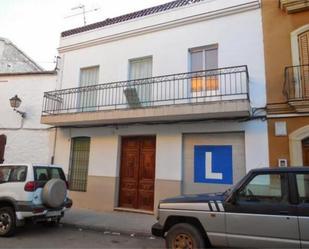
x=52, y=160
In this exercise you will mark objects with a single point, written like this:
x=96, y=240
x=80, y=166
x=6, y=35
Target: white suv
x=31, y=192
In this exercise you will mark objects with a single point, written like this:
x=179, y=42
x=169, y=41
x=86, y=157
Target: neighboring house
x=286, y=42
x=13, y=60
x=160, y=102
x=23, y=139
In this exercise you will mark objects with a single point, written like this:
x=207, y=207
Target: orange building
x=286, y=44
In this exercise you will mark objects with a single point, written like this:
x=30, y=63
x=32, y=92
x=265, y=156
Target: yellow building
x=286, y=41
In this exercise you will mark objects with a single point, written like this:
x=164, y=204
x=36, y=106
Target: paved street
x=66, y=237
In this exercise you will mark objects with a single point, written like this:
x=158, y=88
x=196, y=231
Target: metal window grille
x=79, y=161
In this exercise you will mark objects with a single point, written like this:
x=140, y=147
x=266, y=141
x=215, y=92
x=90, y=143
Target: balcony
x=217, y=93
x=294, y=6
x=296, y=87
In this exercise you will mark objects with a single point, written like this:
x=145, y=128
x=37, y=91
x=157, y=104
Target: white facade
x=234, y=26
x=27, y=139
x=239, y=37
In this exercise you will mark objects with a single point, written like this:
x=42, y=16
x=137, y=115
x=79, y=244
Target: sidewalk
x=110, y=222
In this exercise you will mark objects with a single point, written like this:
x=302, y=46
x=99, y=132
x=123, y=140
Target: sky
x=35, y=25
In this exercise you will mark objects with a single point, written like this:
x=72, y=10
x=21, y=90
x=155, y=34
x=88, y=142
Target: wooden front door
x=2, y=147
x=137, y=173
x=306, y=152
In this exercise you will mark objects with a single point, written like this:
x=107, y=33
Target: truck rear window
x=13, y=174
x=47, y=173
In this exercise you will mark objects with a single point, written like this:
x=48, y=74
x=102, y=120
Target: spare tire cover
x=54, y=193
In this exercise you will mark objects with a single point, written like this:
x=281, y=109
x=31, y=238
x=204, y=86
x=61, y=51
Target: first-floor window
x=79, y=161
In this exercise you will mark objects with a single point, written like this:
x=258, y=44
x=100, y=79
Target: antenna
x=83, y=8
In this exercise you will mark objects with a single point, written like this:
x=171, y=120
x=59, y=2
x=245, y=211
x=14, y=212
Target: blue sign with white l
x=213, y=164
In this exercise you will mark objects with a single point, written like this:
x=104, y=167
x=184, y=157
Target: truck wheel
x=7, y=222
x=184, y=236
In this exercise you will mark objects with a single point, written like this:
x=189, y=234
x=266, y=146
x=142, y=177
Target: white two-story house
x=160, y=102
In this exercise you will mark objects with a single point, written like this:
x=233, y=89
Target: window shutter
x=140, y=68
x=88, y=77
x=303, y=43
x=140, y=94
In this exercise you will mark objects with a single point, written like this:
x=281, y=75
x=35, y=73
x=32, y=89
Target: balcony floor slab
x=196, y=111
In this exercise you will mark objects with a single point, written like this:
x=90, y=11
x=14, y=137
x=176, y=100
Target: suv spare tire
x=54, y=193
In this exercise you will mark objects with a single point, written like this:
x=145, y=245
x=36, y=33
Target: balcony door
x=138, y=92
x=204, y=84
x=303, y=46
x=89, y=77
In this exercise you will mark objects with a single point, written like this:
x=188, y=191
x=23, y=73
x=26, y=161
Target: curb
x=108, y=230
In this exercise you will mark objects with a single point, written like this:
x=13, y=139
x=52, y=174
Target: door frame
x=295, y=145
x=118, y=185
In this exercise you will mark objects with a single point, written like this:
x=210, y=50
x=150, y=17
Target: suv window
x=303, y=187
x=13, y=174
x=264, y=188
x=47, y=173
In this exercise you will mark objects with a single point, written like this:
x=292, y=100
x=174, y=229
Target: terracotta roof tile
x=130, y=16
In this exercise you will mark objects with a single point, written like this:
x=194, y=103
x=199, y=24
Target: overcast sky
x=35, y=25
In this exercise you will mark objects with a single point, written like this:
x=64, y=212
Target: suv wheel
x=7, y=221
x=184, y=236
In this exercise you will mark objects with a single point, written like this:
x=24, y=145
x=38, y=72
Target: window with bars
x=79, y=161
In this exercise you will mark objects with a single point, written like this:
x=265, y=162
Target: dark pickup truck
x=268, y=208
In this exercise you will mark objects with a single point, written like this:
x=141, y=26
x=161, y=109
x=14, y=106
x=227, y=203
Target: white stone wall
x=27, y=139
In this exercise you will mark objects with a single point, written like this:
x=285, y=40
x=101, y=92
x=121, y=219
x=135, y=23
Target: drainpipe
x=52, y=160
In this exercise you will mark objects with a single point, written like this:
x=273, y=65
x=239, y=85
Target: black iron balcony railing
x=230, y=83
x=296, y=86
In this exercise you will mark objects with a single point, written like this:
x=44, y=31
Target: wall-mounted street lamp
x=15, y=103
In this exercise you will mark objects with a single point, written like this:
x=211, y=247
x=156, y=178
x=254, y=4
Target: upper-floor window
x=204, y=58
x=140, y=68
x=303, y=44
x=139, y=92
x=88, y=77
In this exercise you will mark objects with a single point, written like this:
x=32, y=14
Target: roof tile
x=130, y=16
